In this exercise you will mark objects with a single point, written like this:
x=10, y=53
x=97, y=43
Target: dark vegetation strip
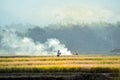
x=59, y=69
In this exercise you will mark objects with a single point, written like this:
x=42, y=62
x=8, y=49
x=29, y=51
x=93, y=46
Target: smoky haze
x=80, y=38
x=12, y=43
x=37, y=27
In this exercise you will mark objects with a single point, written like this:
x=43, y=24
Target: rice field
x=86, y=64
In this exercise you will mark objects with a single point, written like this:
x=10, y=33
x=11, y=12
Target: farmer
x=58, y=53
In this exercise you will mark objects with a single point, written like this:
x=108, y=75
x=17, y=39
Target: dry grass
x=63, y=64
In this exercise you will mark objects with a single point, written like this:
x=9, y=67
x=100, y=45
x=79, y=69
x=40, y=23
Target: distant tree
x=75, y=53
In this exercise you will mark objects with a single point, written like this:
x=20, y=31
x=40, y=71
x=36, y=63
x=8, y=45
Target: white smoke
x=13, y=44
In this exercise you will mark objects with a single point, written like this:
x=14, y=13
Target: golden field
x=92, y=64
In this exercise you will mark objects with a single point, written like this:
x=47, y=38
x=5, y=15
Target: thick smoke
x=12, y=44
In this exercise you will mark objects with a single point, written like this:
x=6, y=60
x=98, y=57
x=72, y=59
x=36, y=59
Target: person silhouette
x=58, y=53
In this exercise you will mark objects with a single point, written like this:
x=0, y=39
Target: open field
x=63, y=64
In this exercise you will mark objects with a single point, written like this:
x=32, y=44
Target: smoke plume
x=12, y=44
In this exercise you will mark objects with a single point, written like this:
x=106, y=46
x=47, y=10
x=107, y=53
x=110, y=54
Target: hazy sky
x=43, y=12
x=56, y=12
